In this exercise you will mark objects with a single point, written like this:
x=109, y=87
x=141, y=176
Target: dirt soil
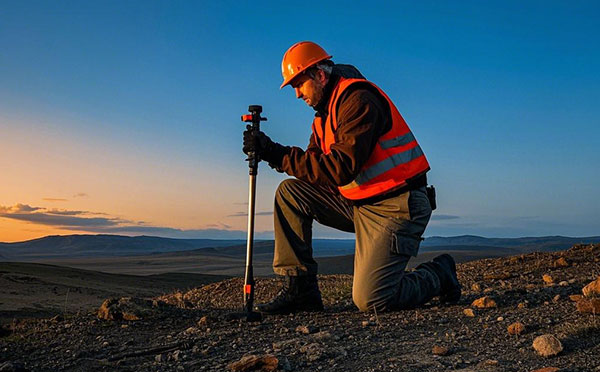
x=194, y=330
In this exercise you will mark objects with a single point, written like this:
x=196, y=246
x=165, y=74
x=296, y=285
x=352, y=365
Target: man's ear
x=321, y=76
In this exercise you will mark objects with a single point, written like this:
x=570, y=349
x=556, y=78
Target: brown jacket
x=363, y=116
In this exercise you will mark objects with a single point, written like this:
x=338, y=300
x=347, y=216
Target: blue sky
x=129, y=110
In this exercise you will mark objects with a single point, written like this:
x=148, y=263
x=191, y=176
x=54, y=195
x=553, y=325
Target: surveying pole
x=253, y=160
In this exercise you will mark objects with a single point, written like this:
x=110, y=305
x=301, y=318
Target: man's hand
x=261, y=145
x=257, y=142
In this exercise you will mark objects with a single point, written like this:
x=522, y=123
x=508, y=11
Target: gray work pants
x=388, y=233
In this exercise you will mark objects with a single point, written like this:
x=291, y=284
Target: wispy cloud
x=80, y=195
x=102, y=223
x=54, y=199
x=17, y=208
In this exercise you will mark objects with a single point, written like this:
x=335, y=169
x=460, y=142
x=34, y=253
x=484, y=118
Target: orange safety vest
x=397, y=155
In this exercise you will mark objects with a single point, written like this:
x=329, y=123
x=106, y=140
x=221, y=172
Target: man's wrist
x=275, y=154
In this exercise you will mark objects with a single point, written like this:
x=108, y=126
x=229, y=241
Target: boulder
x=592, y=289
x=440, y=350
x=588, y=305
x=485, y=302
x=126, y=308
x=561, y=262
x=266, y=363
x=516, y=328
x=547, y=345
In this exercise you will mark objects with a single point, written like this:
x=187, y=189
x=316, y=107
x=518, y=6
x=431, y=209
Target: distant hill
x=525, y=244
x=95, y=246
x=60, y=246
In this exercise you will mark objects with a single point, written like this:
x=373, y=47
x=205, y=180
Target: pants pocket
x=405, y=244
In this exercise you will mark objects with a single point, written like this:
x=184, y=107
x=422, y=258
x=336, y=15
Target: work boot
x=299, y=293
x=445, y=269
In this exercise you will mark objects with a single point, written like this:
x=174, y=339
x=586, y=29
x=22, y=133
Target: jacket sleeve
x=362, y=119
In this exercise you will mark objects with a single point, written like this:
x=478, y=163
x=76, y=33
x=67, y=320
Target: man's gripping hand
x=263, y=146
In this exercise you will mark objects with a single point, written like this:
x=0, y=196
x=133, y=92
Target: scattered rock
x=556, y=298
x=575, y=298
x=563, y=283
x=592, y=289
x=306, y=329
x=177, y=355
x=561, y=262
x=485, y=302
x=547, y=345
x=516, y=328
x=469, y=312
x=265, y=363
x=126, y=308
x=313, y=351
x=476, y=287
x=323, y=335
x=547, y=369
x=440, y=350
x=588, y=305
x=548, y=279
x=497, y=276
x=522, y=305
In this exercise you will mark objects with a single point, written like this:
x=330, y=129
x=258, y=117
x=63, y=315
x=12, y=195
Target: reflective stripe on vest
x=396, y=157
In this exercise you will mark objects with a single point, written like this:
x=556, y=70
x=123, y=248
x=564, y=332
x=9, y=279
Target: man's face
x=309, y=89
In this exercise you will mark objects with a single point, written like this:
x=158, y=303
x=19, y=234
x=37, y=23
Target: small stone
x=203, y=321
x=485, y=302
x=547, y=345
x=556, y=298
x=516, y=328
x=469, y=312
x=500, y=319
x=592, y=289
x=265, y=363
x=177, y=354
x=575, y=298
x=476, y=287
x=491, y=362
x=160, y=358
x=564, y=283
x=521, y=305
x=191, y=330
x=547, y=369
x=561, y=262
x=571, y=281
x=588, y=305
x=306, y=329
x=548, y=279
x=440, y=350
x=323, y=335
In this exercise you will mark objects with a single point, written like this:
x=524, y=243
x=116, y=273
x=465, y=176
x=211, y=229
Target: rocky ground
x=194, y=331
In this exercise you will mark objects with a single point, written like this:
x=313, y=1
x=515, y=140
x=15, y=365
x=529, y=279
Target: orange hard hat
x=299, y=57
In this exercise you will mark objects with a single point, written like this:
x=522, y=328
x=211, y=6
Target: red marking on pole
x=246, y=118
x=248, y=288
